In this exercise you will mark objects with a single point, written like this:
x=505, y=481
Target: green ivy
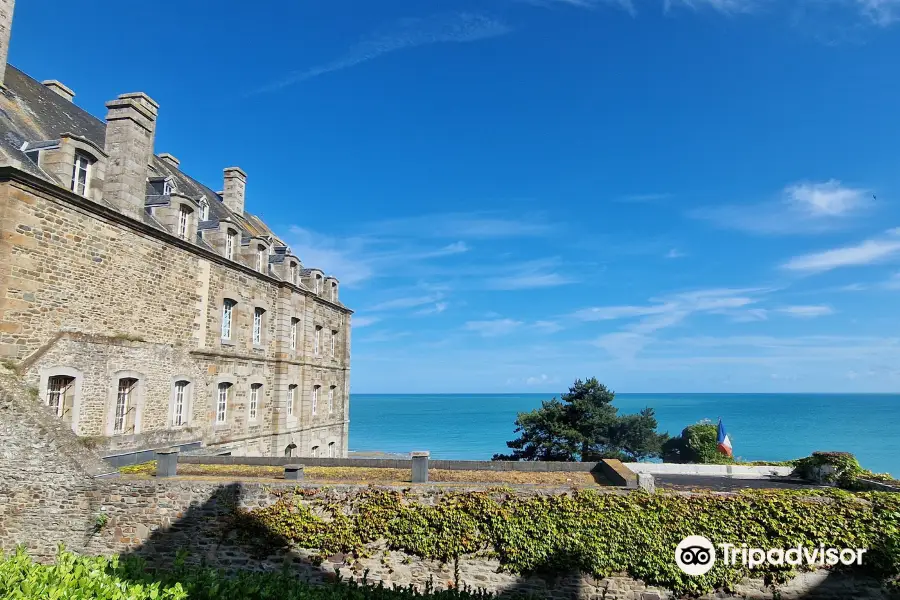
x=603, y=534
x=98, y=578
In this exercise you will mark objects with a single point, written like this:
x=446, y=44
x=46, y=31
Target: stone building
x=145, y=308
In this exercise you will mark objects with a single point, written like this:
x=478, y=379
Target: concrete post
x=293, y=472
x=646, y=482
x=420, y=466
x=167, y=462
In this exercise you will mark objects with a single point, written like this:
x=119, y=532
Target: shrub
x=838, y=468
x=696, y=444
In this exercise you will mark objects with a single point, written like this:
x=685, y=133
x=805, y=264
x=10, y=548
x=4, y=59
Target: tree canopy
x=696, y=444
x=584, y=426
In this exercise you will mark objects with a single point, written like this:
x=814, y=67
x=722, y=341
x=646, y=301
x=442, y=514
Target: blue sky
x=693, y=195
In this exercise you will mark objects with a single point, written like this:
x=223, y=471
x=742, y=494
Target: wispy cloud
x=893, y=282
x=807, y=311
x=527, y=281
x=662, y=313
x=547, y=326
x=359, y=322
x=437, y=309
x=801, y=208
x=476, y=225
x=405, y=302
x=867, y=252
x=651, y=198
x=457, y=27
x=493, y=328
x=675, y=253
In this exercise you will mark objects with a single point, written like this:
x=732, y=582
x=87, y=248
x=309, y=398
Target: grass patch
x=371, y=475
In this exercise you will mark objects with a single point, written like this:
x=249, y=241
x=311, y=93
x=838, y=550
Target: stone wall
x=88, y=290
x=155, y=519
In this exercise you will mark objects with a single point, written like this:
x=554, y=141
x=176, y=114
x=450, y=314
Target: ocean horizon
x=761, y=426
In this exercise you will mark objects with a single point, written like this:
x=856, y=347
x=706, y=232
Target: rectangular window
x=184, y=214
x=333, y=292
x=316, y=341
x=227, y=313
x=318, y=284
x=80, y=174
x=294, y=273
x=178, y=409
x=333, y=342
x=204, y=209
x=315, y=400
x=57, y=388
x=229, y=245
x=222, y=402
x=294, y=323
x=123, y=404
x=261, y=259
x=330, y=449
x=257, y=325
x=254, y=401
x=331, y=400
x=290, y=400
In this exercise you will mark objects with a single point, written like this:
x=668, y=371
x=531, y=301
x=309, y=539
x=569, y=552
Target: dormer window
x=333, y=292
x=318, y=284
x=81, y=174
x=184, y=218
x=167, y=188
x=294, y=273
x=261, y=258
x=204, y=209
x=230, y=242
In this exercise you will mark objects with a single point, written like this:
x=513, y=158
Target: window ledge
x=227, y=342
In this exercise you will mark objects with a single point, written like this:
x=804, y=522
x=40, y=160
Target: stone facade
x=146, y=308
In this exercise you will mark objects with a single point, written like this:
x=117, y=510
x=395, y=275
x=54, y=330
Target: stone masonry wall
x=155, y=519
x=154, y=307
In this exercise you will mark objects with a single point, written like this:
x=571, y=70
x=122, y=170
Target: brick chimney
x=130, y=127
x=6, y=17
x=235, y=185
x=60, y=88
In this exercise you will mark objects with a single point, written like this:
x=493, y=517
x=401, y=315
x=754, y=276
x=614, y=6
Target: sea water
x=761, y=426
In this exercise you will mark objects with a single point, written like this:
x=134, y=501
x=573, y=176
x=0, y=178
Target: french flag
x=724, y=442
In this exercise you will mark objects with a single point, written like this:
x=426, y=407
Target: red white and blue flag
x=724, y=442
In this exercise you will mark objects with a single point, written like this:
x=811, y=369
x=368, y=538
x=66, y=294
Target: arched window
x=223, y=394
x=331, y=448
x=314, y=452
x=262, y=262
x=60, y=390
x=289, y=449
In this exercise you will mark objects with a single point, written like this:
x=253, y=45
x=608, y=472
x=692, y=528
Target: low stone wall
x=736, y=471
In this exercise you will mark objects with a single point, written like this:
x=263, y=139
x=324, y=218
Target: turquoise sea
x=761, y=426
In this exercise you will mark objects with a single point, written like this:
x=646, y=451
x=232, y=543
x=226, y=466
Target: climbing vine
x=602, y=534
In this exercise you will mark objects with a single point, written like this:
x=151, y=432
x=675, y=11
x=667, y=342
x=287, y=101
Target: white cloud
x=364, y=321
x=547, y=326
x=893, y=282
x=405, y=302
x=806, y=312
x=527, y=281
x=803, y=207
x=493, y=328
x=438, y=308
x=457, y=27
x=828, y=198
x=865, y=253
x=675, y=253
x=475, y=225
x=541, y=380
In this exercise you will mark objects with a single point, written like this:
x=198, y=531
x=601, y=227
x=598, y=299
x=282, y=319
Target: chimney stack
x=60, y=88
x=6, y=17
x=235, y=185
x=130, y=128
x=169, y=159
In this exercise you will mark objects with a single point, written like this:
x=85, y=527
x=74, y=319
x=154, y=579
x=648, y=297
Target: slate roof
x=33, y=114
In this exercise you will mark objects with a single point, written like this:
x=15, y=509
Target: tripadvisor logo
x=696, y=555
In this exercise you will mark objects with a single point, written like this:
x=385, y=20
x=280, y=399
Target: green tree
x=584, y=425
x=698, y=443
